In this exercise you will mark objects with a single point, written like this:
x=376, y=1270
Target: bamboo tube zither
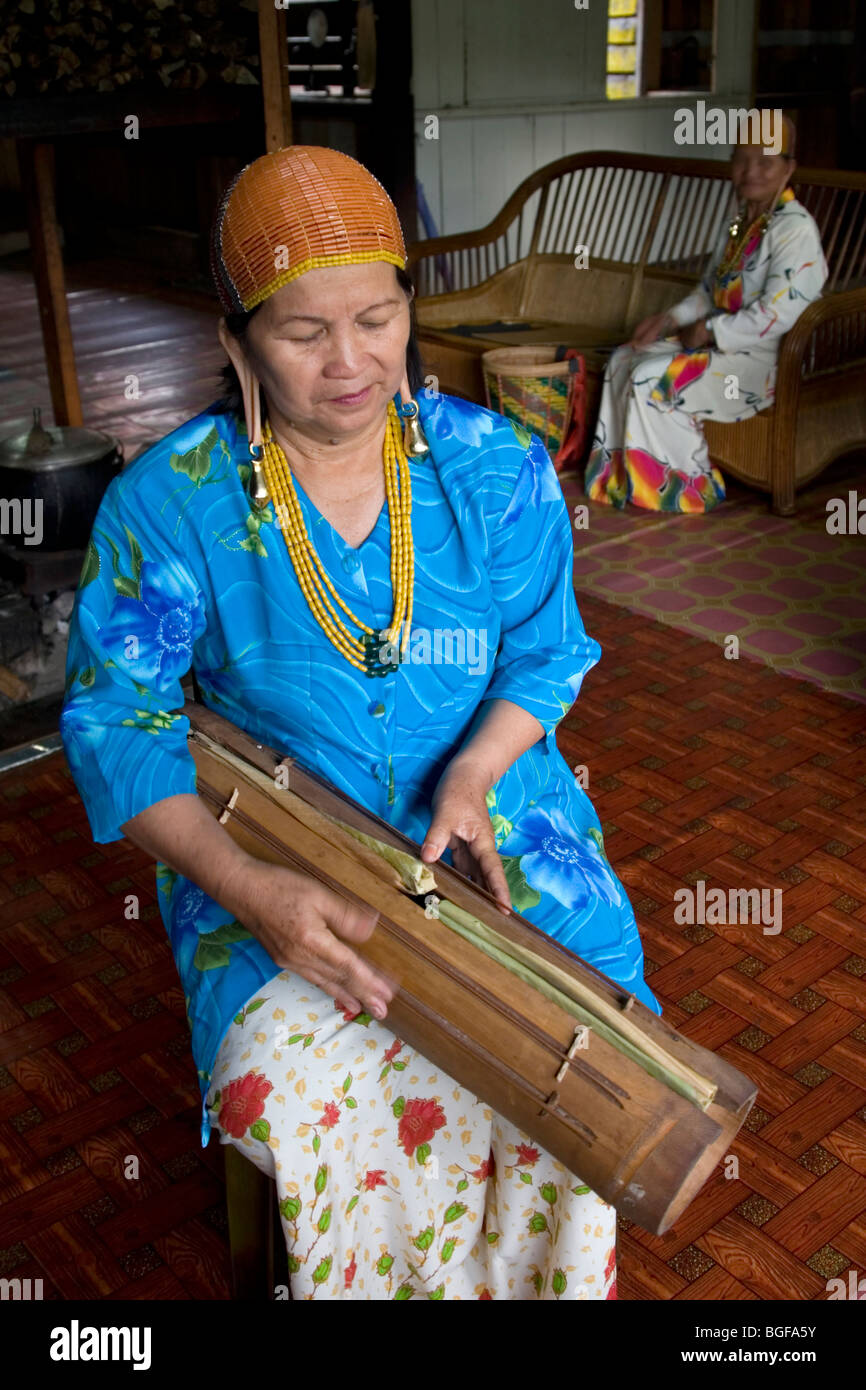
x=639, y=1112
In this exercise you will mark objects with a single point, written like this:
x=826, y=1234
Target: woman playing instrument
x=284, y=547
x=713, y=356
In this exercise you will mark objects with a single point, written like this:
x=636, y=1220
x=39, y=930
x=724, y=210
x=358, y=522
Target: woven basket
x=543, y=388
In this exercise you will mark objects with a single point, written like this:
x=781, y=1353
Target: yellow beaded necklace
x=366, y=653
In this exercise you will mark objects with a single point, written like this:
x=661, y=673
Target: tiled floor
x=699, y=769
x=706, y=769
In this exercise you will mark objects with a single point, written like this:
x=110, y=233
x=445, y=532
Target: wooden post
x=388, y=148
x=37, y=177
x=650, y=74
x=274, y=57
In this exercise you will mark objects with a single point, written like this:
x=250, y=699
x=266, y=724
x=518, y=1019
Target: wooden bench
x=256, y=1240
x=647, y=226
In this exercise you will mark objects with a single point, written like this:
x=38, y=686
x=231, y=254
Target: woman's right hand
x=304, y=927
x=651, y=329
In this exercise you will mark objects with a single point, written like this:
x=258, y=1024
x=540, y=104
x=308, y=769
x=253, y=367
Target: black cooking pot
x=51, y=482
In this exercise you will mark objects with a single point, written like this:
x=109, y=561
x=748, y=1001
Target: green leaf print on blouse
x=524, y=436
x=151, y=722
x=195, y=463
x=502, y=827
x=213, y=950
x=597, y=836
x=566, y=706
x=127, y=586
x=522, y=896
x=90, y=568
x=252, y=541
x=166, y=878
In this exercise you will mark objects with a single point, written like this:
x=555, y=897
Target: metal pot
x=51, y=485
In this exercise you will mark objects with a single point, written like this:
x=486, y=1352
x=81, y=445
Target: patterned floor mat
x=791, y=593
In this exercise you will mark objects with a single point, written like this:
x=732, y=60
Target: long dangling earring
x=259, y=495
x=414, y=440
x=252, y=399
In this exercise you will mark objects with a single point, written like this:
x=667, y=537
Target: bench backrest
x=637, y=213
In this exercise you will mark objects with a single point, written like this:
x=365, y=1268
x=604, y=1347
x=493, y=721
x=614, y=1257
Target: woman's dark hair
x=231, y=399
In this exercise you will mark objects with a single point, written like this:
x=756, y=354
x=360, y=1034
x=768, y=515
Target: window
x=658, y=46
x=331, y=47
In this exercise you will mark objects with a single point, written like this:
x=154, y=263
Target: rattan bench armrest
x=819, y=312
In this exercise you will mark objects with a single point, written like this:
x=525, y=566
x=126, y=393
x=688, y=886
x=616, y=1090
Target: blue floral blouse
x=181, y=573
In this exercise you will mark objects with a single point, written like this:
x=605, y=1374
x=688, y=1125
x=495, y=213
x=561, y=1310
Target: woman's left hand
x=695, y=335
x=461, y=823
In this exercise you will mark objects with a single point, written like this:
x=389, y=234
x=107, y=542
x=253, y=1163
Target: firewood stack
x=54, y=47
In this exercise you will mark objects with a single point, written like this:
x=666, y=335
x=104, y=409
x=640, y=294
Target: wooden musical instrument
x=640, y=1113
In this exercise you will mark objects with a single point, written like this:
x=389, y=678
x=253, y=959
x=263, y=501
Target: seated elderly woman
x=260, y=545
x=649, y=446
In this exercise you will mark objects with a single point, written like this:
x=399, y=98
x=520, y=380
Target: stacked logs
x=57, y=46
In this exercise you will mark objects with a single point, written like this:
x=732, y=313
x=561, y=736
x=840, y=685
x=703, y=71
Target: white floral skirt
x=393, y=1181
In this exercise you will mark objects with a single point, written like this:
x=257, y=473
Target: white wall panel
x=534, y=51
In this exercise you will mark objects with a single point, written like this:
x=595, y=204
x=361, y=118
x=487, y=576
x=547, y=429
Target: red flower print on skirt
x=526, y=1154
x=242, y=1103
x=609, y=1270
x=349, y=1272
x=418, y=1123
x=486, y=1169
x=392, y=1050
x=331, y=1116
x=374, y=1178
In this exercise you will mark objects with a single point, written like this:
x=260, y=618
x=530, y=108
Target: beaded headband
x=294, y=210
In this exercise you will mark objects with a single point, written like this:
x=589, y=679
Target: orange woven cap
x=295, y=210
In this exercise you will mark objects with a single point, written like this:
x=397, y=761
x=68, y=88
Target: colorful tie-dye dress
x=649, y=446
x=394, y=1181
